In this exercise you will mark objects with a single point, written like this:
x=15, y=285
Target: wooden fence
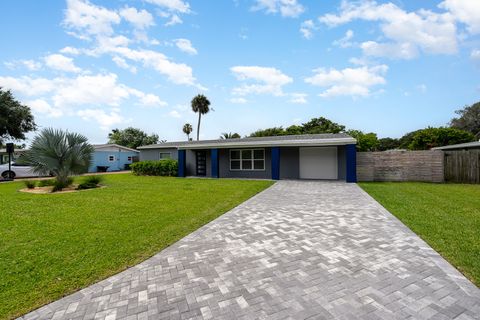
x=462, y=166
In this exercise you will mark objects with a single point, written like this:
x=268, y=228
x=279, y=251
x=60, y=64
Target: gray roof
x=113, y=145
x=304, y=139
x=468, y=145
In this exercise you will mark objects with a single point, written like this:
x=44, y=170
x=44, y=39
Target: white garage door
x=318, y=163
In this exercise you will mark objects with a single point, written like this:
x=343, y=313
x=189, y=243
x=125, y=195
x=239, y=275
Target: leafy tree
x=230, y=135
x=322, y=125
x=468, y=120
x=437, y=137
x=201, y=105
x=15, y=119
x=131, y=137
x=187, y=129
x=275, y=131
x=294, y=130
x=388, y=144
x=365, y=141
x=60, y=153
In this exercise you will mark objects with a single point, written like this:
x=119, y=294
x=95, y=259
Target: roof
x=468, y=145
x=287, y=140
x=14, y=151
x=113, y=145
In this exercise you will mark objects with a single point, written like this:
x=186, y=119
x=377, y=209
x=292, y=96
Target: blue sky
x=386, y=67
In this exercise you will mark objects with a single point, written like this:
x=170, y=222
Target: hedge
x=165, y=167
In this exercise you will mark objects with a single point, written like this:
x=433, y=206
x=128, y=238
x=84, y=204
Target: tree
x=275, y=131
x=200, y=105
x=131, y=137
x=230, y=135
x=15, y=119
x=294, y=130
x=468, y=120
x=187, y=129
x=437, y=137
x=322, y=125
x=385, y=144
x=365, y=141
x=60, y=153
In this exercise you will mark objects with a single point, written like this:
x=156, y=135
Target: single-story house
x=461, y=146
x=16, y=153
x=313, y=156
x=112, y=157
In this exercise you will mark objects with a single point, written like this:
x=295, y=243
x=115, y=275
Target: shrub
x=90, y=182
x=30, y=184
x=59, y=185
x=46, y=183
x=166, y=167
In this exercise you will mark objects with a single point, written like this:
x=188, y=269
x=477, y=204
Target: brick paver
x=301, y=249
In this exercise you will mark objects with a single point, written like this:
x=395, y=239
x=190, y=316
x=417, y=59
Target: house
x=461, y=146
x=112, y=157
x=314, y=156
x=15, y=155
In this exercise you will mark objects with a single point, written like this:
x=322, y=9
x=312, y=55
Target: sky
x=388, y=67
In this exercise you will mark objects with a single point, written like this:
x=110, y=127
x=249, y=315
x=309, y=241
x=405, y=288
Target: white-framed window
x=165, y=155
x=111, y=158
x=129, y=159
x=247, y=159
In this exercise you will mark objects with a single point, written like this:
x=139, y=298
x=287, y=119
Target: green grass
x=54, y=244
x=446, y=216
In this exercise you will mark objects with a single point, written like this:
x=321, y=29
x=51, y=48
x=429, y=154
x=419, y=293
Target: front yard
x=446, y=216
x=55, y=244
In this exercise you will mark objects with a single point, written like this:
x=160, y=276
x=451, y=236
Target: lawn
x=52, y=245
x=446, y=216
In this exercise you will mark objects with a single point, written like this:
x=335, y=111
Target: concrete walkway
x=317, y=250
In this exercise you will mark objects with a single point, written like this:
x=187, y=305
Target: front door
x=201, y=163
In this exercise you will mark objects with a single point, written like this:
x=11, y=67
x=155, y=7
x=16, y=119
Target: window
x=247, y=159
x=111, y=158
x=129, y=159
x=165, y=155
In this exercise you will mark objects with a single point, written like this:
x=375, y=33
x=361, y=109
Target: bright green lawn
x=446, y=216
x=52, y=245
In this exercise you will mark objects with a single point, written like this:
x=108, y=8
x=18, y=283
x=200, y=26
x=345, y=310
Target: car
x=18, y=170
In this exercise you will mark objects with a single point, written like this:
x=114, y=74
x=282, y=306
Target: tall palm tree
x=201, y=105
x=230, y=135
x=60, y=153
x=187, y=129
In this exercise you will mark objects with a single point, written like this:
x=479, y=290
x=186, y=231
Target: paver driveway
x=300, y=249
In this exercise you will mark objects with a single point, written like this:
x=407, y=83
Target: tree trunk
x=198, y=126
x=188, y=136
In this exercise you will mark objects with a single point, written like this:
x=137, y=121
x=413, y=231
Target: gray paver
x=301, y=249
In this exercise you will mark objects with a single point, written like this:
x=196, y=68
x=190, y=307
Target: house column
x=182, y=157
x=276, y=163
x=214, y=162
x=351, y=154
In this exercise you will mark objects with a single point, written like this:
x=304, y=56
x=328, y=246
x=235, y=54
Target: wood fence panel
x=462, y=166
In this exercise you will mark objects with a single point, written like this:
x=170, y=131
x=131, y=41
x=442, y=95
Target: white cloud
x=106, y=120
x=238, y=100
x=306, y=28
x=465, y=11
x=475, y=54
x=287, y=8
x=61, y=63
x=140, y=19
x=174, y=19
x=186, y=46
x=28, y=86
x=31, y=65
x=70, y=50
x=267, y=80
x=172, y=5
x=43, y=107
x=345, y=41
x=424, y=30
x=298, y=98
x=174, y=114
x=349, y=81
x=123, y=64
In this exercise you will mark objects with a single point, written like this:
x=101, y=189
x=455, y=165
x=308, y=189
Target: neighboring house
x=15, y=155
x=461, y=146
x=315, y=156
x=112, y=157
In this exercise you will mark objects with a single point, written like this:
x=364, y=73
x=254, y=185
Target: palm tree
x=187, y=129
x=60, y=153
x=229, y=135
x=201, y=105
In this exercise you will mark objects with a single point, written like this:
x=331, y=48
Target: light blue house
x=112, y=157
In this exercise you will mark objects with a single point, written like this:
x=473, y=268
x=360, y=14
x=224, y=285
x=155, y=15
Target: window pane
x=235, y=165
x=258, y=154
x=259, y=165
x=246, y=154
x=235, y=154
x=246, y=165
x=164, y=155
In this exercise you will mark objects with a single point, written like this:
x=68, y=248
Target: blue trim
x=214, y=161
x=351, y=153
x=182, y=156
x=275, y=163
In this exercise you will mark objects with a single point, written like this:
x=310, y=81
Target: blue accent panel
x=275, y=163
x=351, y=153
x=182, y=157
x=214, y=161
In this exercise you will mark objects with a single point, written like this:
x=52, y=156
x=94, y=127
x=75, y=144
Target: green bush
x=30, y=184
x=90, y=182
x=46, y=183
x=60, y=185
x=165, y=167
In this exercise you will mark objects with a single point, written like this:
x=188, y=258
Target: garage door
x=318, y=163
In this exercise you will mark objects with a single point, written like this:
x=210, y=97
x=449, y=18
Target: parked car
x=18, y=170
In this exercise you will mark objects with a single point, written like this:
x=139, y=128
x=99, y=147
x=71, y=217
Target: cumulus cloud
x=306, y=29
x=31, y=65
x=105, y=119
x=298, y=98
x=174, y=19
x=186, y=46
x=266, y=80
x=61, y=63
x=287, y=8
x=41, y=106
x=70, y=50
x=345, y=42
x=349, y=81
x=172, y=5
x=466, y=12
x=140, y=19
x=123, y=64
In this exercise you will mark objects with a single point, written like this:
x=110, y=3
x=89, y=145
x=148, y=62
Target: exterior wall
x=154, y=154
x=289, y=163
x=426, y=166
x=224, y=166
x=100, y=158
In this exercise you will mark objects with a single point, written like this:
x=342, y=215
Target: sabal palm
x=187, y=129
x=60, y=153
x=201, y=105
